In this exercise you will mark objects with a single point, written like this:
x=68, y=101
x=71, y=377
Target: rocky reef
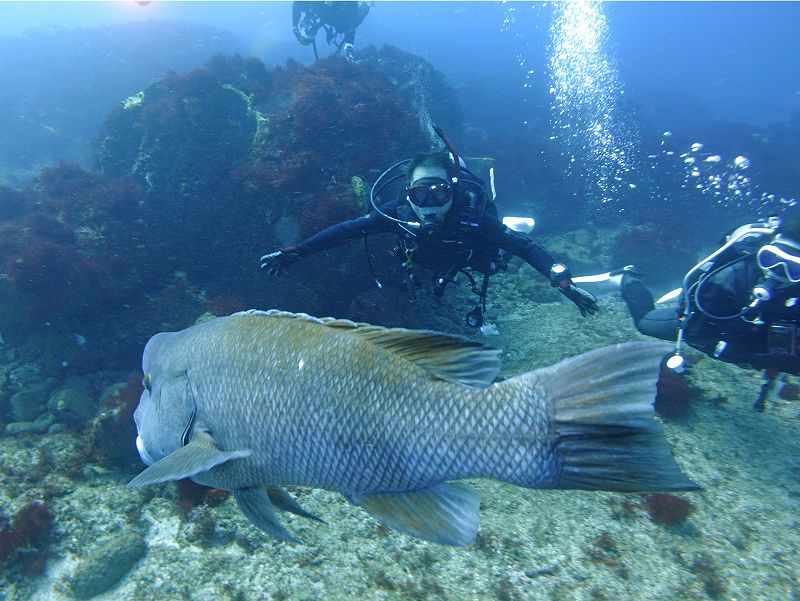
x=197, y=176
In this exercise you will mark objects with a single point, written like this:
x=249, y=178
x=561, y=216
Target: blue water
x=150, y=153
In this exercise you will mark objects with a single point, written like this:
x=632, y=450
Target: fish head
x=165, y=414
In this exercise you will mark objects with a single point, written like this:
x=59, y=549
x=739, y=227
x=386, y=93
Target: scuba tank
x=742, y=243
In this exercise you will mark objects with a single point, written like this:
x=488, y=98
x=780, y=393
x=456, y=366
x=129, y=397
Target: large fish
x=389, y=417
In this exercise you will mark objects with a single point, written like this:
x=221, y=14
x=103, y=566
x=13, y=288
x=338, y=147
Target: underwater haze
x=152, y=152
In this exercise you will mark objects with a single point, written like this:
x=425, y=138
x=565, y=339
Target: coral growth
x=673, y=394
x=224, y=304
x=353, y=113
x=24, y=541
x=228, y=151
x=706, y=570
x=13, y=203
x=790, y=391
x=192, y=496
x=320, y=212
x=109, y=439
x=78, y=252
x=666, y=509
x=198, y=174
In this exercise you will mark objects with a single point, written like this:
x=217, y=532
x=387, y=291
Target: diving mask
x=430, y=199
x=430, y=195
x=781, y=259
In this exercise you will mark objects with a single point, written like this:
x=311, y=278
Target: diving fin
x=670, y=298
x=200, y=455
x=604, y=284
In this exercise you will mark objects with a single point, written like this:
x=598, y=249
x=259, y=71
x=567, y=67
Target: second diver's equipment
x=742, y=242
x=781, y=259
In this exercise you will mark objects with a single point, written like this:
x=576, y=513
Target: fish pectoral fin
x=446, y=513
x=200, y=455
x=282, y=500
x=254, y=503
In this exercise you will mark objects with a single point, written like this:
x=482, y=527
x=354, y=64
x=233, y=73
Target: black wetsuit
x=462, y=241
x=722, y=298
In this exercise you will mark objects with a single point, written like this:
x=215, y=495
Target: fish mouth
x=143, y=454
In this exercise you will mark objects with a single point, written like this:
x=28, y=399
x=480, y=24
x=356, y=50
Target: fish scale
x=399, y=400
x=388, y=417
x=403, y=409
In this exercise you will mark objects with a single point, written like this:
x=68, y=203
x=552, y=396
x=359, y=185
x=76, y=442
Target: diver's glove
x=561, y=278
x=275, y=262
x=585, y=301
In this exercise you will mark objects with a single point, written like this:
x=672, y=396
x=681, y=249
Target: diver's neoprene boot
x=603, y=284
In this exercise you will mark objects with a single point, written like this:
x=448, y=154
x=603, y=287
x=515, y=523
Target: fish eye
x=148, y=386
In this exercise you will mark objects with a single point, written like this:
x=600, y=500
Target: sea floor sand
x=741, y=541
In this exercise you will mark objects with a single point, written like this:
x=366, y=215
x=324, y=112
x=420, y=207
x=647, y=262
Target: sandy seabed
x=740, y=542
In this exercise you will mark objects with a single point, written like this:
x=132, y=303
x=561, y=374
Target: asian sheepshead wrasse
x=388, y=417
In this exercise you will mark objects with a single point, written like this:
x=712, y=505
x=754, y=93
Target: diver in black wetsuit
x=444, y=222
x=339, y=20
x=740, y=305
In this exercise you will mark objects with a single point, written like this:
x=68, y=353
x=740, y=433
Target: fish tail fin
x=606, y=433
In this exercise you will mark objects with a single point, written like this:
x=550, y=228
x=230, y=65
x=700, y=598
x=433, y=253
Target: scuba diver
x=741, y=304
x=338, y=19
x=444, y=221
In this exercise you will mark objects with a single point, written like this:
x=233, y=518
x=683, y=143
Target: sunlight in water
x=586, y=94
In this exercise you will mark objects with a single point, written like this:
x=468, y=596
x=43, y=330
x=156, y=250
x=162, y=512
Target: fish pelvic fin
x=254, y=503
x=445, y=513
x=200, y=455
x=607, y=436
x=282, y=500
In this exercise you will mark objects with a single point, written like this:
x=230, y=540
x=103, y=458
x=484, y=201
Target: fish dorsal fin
x=200, y=455
x=445, y=356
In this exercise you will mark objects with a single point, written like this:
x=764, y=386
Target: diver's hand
x=585, y=301
x=274, y=263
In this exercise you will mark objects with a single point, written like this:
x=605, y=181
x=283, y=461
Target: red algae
x=666, y=509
